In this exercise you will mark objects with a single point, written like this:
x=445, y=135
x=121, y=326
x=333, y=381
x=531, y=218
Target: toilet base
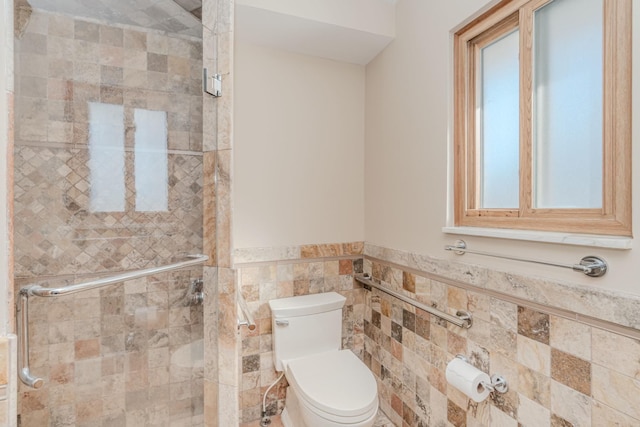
x=292, y=415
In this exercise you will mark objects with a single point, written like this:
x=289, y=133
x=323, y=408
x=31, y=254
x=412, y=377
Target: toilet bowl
x=328, y=387
x=330, y=390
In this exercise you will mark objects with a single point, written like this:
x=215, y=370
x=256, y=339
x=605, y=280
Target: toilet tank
x=305, y=325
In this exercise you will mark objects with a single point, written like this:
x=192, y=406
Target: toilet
x=328, y=387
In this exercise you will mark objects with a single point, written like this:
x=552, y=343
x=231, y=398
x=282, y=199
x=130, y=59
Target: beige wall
x=406, y=161
x=377, y=19
x=298, y=149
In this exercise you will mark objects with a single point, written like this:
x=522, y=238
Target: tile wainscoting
x=306, y=270
x=570, y=363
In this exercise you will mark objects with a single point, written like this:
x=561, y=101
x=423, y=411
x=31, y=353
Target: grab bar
x=24, y=372
x=40, y=291
x=22, y=308
x=591, y=266
x=247, y=318
x=462, y=318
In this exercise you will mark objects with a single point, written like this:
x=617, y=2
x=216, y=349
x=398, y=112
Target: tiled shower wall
x=130, y=354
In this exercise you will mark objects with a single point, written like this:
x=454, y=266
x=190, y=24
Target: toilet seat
x=335, y=385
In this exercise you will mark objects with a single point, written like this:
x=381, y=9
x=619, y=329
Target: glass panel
x=568, y=104
x=106, y=157
x=131, y=354
x=151, y=160
x=499, y=123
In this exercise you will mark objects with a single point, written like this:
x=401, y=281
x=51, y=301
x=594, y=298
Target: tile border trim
x=543, y=308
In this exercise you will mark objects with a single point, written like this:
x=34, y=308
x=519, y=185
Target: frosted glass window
x=568, y=104
x=499, y=123
x=106, y=158
x=151, y=175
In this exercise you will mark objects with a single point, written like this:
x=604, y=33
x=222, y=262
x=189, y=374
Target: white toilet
x=328, y=387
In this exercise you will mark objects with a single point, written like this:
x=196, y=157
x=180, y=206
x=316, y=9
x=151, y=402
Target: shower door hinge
x=212, y=84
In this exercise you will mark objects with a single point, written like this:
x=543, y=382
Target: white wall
x=374, y=16
x=406, y=162
x=298, y=149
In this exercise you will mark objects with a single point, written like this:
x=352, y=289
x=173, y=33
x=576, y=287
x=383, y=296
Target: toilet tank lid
x=306, y=304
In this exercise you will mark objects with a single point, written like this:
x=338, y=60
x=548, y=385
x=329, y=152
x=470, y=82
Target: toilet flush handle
x=281, y=322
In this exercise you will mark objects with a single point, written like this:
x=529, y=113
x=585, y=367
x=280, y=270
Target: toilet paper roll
x=467, y=378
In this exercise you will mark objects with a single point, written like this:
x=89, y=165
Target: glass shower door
x=108, y=178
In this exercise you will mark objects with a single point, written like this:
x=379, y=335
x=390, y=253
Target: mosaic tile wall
x=319, y=268
x=126, y=355
x=561, y=372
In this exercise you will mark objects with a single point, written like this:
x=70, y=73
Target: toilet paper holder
x=498, y=382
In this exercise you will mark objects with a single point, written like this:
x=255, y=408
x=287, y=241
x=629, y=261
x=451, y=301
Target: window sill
x=595, y=241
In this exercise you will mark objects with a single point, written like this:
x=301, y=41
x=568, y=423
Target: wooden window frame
x=614, y=218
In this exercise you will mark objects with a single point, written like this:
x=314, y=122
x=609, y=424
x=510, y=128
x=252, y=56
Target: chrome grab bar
x=246, y=319
x=462, y=318
x=22, y=308
x=41, y=291
x=24, y=372
x=591, y=266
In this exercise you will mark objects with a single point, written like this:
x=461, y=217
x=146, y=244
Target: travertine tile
x=616, y=352
x=604, y=415
x=616, y=390
x=534, y=385
x=570, y=405
x=532, y=414
x=534, y=355
x=571, y=371
x=499, y=418
x=533, y=324
x=570, y=336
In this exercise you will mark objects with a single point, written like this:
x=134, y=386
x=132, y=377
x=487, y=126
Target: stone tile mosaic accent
x=56, y=233
x=262, y=282
x=129, y=354
x=561, y=372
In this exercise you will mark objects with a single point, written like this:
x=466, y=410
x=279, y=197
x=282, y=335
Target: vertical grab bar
x=23, y=345
x=247, y=318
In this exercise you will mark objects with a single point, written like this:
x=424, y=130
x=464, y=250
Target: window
x=151, y=163
x=108, y=159
x=542, y=117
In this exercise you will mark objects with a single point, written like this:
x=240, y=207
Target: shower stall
x=117, y=185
